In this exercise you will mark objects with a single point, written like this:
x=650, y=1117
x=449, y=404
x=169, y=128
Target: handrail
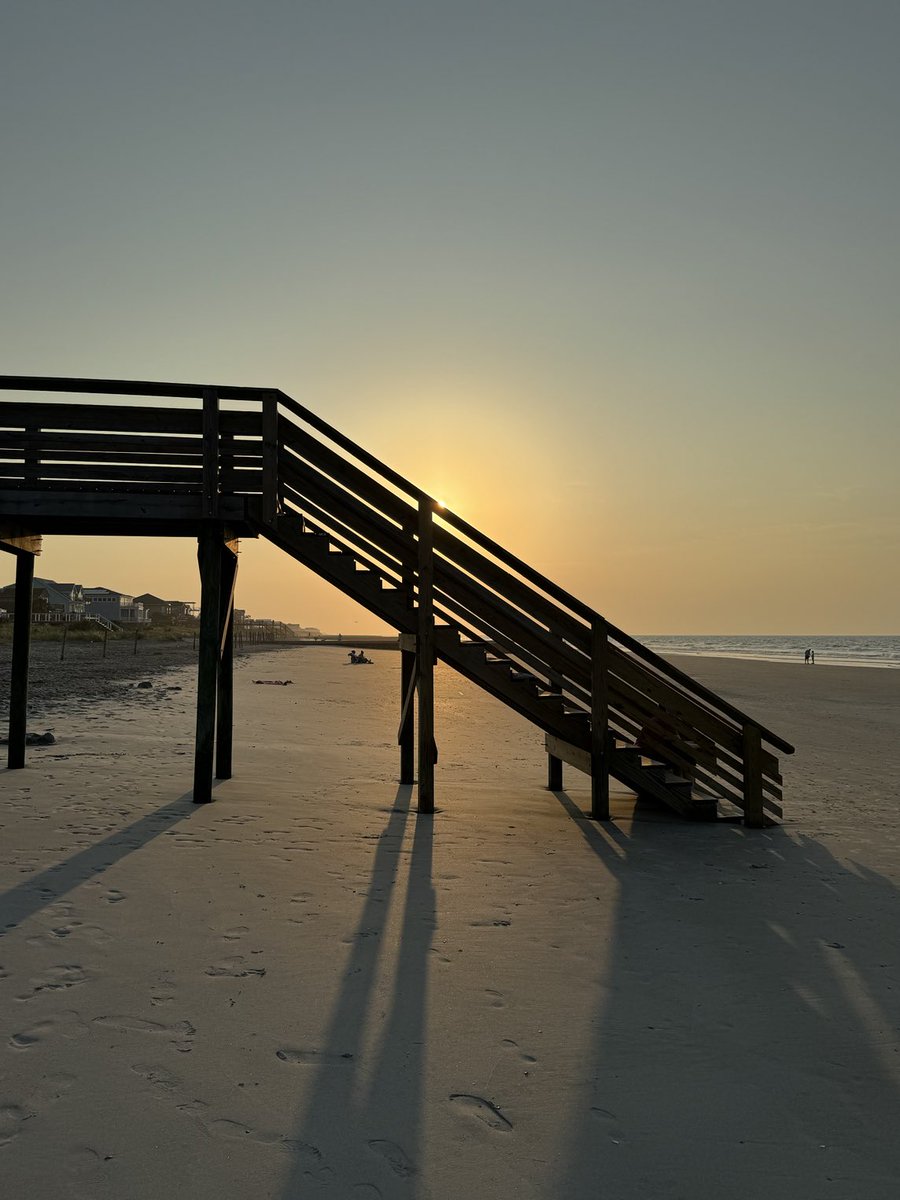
x=129, y=387
x=257, y=395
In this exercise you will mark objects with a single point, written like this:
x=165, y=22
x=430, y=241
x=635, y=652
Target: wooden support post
x=407, y=734
x=754, y=817
x=210, y=498
x=271, y=489
x=225, y=686
x=554, y=773
x=18, y=680
x=209, y=554
x=599, y=722
x=32, y=457
x=425, y=655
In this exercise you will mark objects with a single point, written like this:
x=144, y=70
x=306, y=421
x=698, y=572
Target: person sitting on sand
x=353, y=656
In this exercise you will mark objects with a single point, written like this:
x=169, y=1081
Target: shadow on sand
x=367, y=1110
x=45, y=887
x=747, y=1045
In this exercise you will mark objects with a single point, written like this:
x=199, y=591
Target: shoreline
x=772, y=658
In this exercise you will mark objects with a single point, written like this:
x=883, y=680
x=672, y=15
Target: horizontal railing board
x=120, y=419
x=113, y=458
x=95, y=442
x=103, y=472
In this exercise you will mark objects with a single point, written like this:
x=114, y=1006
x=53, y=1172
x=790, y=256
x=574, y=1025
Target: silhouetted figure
x=812, y=658
x=806, y=655
x=353, y=657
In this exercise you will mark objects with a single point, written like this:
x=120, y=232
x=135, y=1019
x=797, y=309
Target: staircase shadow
x=747, y=1045
x=363, y=1115
x=47, y=886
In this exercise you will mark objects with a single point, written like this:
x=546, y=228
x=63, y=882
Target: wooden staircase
x=606, y=704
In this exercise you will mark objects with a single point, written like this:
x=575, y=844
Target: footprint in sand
x=158, y=1077
x=11, y=1120
x=234, y=968
x=236, y=931
x=113, y=896
x=509, y=1044
x=91, y=933
x=181, y=1032
x=289, y=1054
x=310, y=1158
x=495, y=999
x=56, y=978
x=395, y=1157
x=477, y=1106
x=68, y=1024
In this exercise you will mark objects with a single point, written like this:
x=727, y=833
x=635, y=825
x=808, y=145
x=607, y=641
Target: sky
x=617, y=280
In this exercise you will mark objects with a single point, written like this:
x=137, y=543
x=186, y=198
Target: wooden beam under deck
x=116, y=514
x=18, y=543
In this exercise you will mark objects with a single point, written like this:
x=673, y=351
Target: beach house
x=114, y=606
x=165, y=612
x=50, y=600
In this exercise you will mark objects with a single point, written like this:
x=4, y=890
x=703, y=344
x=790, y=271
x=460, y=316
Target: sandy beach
x=305, y=990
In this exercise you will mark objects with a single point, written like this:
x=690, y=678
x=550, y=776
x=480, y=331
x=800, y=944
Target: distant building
x=115, y=606
x=305, y=631
x=165, y=612
x=50, y=600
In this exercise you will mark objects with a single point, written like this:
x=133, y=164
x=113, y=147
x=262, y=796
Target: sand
x=305, y=990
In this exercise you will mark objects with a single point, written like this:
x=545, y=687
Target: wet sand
x=62, y=679
x=304, y=989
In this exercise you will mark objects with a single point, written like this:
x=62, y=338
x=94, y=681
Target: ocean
x=843, y=651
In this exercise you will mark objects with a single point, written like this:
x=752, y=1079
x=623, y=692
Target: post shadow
x=47, y=886
x=18, y=679
x=380, y=1129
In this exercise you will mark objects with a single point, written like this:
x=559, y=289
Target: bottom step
x=661, y=783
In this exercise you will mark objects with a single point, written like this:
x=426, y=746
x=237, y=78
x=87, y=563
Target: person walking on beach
x=806, y=655
x=812, y=658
